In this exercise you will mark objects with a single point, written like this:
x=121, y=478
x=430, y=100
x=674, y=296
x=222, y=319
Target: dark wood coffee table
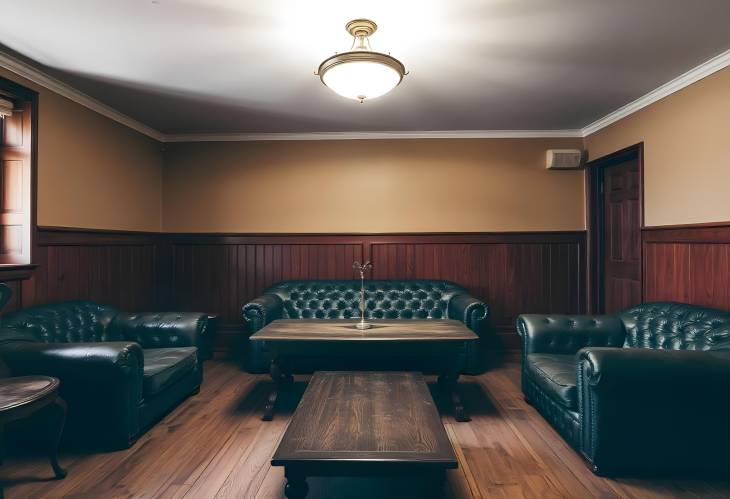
x=364, y=424
x=23, y=396
x=442, y=339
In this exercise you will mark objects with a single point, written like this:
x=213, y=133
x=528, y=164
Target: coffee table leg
x=58, y=410
x=449, y=382
x=280, y=379
x=296, y=485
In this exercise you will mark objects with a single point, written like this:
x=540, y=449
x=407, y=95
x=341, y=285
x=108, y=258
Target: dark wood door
x=622, y=236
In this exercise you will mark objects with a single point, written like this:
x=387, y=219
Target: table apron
x=358, y=468
x=359, y=348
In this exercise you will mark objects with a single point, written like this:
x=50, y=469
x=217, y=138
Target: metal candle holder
x=362, y=268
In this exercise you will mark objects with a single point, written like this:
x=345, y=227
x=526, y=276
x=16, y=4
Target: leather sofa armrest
x=566, y=334
x=609, y=369
x=77, y=360
x=467, y=309
x=163, y=329
x=101, y=382
x=654, y=410
x=261, y=311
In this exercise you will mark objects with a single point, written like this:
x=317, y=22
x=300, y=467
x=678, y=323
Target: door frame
x=596, y=221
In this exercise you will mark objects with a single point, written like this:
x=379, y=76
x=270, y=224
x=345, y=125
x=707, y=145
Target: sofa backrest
x=676, y=326
x=61, y=322
x=388, y=299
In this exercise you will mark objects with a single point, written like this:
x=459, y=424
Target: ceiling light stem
x=361, y=42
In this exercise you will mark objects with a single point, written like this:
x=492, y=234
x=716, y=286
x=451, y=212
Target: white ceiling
x=214, y=66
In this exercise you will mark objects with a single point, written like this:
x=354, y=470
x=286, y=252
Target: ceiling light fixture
x=361, y=73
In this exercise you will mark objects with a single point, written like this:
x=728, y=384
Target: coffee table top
x=21, y=392
x=382, y=418
x=382, y=330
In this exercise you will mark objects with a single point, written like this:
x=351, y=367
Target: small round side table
x=22, y=396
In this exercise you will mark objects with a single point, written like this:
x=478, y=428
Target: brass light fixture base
x=361, y=27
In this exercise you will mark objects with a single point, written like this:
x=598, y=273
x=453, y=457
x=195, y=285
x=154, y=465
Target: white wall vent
x=565, y=159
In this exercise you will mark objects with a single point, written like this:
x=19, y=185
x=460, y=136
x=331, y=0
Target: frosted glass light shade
x=361, y=80
x=361, y=75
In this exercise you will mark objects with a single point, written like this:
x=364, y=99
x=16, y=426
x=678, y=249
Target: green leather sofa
x=120, y=372
x=646, y=391
x=386, y=299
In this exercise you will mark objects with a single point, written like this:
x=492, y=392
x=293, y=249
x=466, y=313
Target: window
x=17, y=106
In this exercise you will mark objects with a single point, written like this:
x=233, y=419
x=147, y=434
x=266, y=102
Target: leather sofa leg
x=597, y=471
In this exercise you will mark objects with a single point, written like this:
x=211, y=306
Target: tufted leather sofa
x=644, y=391
x=386, y=299
x=119, y=372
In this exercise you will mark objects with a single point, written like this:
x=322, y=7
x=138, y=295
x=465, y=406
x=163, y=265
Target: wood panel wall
x=511, y=272
x=218, y=274
x=116, y=268
x=688, y=264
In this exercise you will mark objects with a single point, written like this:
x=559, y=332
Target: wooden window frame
x=18, y=92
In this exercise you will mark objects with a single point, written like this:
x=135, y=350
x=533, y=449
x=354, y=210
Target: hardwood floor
x=214, y=445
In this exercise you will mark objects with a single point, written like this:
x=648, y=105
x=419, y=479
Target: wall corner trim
x=25, y=70
x=38, y=77
x=356, y=135
x=717, y=63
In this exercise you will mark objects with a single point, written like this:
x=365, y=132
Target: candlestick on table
x=362, y=268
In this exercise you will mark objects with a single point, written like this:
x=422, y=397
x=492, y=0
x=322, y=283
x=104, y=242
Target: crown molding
x=437, y=134
x=695, y=74
x=38, y=77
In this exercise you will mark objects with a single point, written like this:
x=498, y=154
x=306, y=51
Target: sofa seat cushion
x=165, y=366
x=556, y=374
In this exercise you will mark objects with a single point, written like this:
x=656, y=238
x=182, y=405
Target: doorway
x=615, y=211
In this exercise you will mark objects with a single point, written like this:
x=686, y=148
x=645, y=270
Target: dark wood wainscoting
x=512, y=272
x=688, y=263
x=116, y=268
x=218, y=273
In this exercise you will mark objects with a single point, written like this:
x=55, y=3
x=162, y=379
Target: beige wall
x=370, y=186
x=92, y=171
x=96, y=173
x=686, y=152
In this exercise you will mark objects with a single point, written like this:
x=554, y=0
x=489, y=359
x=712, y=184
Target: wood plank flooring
x=215, y=446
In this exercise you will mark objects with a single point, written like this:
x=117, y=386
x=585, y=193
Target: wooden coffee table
x=364, y=424
x=442, y=339
x=23, y=396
